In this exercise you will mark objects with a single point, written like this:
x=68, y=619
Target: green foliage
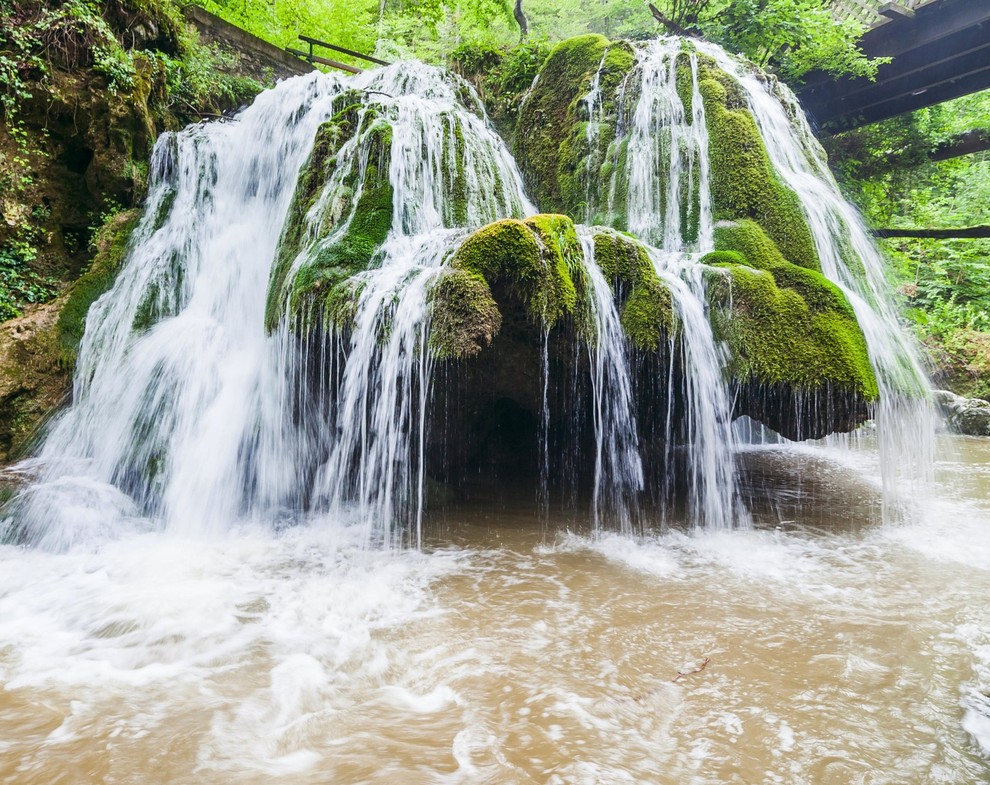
x=19, y=284
x=502, y=75
x=791, y=37
x=943, y=284
x=347, y=23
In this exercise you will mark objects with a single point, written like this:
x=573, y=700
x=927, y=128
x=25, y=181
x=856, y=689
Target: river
x=515, y=650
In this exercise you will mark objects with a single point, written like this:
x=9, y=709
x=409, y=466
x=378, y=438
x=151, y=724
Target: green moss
x=743, y=182
x=341, y=305
x=685, y=89
x=550, y=141
x=748, y=239
x=111, y=247
x=647, y=313
x=721, y=258
x=532, y=258
x=354, y=223
x=464, y=316
x=805, y=337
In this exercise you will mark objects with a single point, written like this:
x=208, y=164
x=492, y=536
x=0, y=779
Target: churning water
x=192, y=596
x=839, y=651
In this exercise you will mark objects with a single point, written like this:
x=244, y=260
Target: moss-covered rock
x=533, y=259
x=465, y=318
x=111, y=247
x=338, y=218
x=789, y=326
x=539, y=262
x=551, y=143
x=647, y=312
x=743, y=182
x=33, y=380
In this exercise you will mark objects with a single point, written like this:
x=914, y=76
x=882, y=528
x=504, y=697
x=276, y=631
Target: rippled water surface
x=515, y=651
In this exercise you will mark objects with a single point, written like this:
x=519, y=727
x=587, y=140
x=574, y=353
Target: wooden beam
x=351, y=52
x=936, y=94
x=966, y=233
x=963, y=144
x=941, y=53
x=895, y=11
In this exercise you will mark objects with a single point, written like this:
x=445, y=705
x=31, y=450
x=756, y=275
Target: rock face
x=798, y=360
x=967, y=416
x=32, y=379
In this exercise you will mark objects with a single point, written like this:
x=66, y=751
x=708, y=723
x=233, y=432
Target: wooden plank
x=895, y=11
x=323, y=61
x=963, y=144
x=946, y=90
x=965, y=233
x=912, y=72
x=342, y=50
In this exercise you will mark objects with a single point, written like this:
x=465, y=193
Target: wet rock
x=966, y=416
x=32, y=380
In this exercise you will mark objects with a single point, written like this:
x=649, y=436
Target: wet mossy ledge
x=341, y=213
x=539, y=263
x=797, y=355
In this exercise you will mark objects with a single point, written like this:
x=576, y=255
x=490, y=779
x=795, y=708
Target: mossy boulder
x=797, y=355
x=539, y=263
x=647, y=312
x=550, y=141
x=743, y=182
x=341, y=213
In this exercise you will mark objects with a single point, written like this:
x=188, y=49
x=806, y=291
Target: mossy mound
x=111, y=247
x=785, y=325
x=743, y=183
x=539, y=262
x=647, y=311
x=550, y=140
x=338, y=218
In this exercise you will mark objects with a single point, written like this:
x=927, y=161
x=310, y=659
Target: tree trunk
x=517, y=12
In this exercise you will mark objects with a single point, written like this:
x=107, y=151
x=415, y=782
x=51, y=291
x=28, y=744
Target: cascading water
x=197, y=405
x=299, y=654
x=903, y=412
x=618, y=471
x=186, y=412
x=668, y=206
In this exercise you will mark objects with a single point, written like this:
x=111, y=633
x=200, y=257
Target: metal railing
x=312, y=57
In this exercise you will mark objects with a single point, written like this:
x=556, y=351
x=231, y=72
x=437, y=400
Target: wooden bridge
x=940, y=51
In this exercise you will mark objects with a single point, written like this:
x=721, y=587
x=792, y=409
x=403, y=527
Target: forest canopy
x=792, y=37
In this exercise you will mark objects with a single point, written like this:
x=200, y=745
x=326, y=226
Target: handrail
x=351, y=52
x=323, y=61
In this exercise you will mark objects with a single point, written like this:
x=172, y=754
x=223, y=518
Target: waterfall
x=668, y=207
x=850, y=259
x=618, y=470
x=246, y=370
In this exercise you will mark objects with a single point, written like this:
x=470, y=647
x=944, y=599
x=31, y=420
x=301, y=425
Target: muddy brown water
x=514, y=650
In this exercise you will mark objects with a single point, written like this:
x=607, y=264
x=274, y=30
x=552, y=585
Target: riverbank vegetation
x=943, y=284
